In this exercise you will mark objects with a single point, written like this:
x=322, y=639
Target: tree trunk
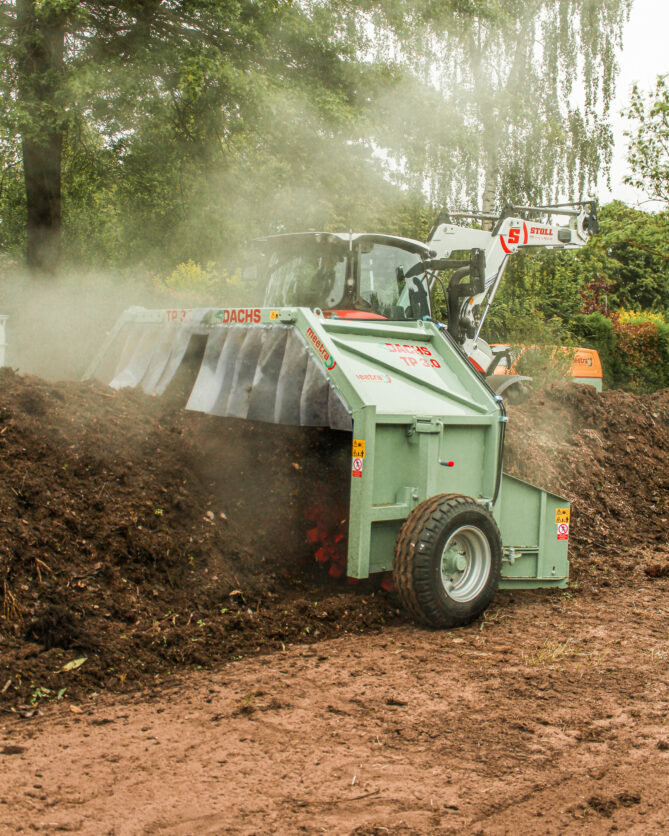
x=489, y=202
x=40, y=44
x=486, y=111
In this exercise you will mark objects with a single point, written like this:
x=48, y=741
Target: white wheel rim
x=465, y=563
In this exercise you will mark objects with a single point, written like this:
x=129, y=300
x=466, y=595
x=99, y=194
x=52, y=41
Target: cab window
x=305, y=277
x=382, y=278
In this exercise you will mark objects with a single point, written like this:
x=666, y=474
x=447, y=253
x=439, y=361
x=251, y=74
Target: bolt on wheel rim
x=465, y=563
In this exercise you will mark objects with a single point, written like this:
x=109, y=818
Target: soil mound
x=144, y=538
x=136, y=538
x=608, y=453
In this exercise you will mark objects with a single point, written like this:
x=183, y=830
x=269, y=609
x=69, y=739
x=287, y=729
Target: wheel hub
x=465, y=563
x=454, y=561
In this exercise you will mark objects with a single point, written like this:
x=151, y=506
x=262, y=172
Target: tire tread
x=415, y=555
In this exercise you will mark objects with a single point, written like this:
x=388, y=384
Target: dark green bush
x=634, y=352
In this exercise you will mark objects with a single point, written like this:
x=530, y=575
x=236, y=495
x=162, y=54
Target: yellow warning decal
x=562, y=515
x=358, y=448
x=273, y=314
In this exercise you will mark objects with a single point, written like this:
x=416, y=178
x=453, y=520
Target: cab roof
x=346, y=237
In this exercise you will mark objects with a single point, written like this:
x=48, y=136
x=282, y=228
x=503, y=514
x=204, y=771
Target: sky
x=645, y=56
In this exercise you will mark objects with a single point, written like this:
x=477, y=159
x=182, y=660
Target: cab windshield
x=305, y=273
x=382, y=272
x=324, y=271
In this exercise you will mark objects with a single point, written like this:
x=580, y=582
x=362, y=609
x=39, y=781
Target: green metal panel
x=384, y=537
x=416, y=405
x=535, y=553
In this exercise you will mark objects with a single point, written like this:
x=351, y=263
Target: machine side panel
x=534, y=534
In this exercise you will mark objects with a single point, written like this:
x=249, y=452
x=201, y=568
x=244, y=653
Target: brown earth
x=152, y=543
x=548, y=717
x=145, y=539
x=609, y=454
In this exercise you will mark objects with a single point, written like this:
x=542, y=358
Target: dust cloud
x=56, y=325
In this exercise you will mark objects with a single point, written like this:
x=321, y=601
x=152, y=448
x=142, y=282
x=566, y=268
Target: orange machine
x=586, y=367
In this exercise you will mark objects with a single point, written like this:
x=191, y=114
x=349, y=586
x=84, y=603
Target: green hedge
x=634, y=355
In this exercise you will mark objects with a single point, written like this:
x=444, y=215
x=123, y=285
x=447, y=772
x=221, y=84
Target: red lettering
x=320, y=348
x=514, y=236
x=408, y=349
x=224, y=315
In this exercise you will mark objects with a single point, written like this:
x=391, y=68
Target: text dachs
x=238, y=315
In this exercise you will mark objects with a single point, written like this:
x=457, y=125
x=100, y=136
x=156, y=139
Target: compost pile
x=144, y=538
x=137, y=539
x=608, y=453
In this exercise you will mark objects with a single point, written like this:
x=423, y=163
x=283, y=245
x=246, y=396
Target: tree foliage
x=168, y=101
x=612, y=295
x=648, y=151
x=499, y=115
x=183, y=126
x=625, y=266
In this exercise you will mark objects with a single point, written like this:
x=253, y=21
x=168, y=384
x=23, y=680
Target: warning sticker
x=563, y=531
x=357, y=467
x=273, y=314
x=358, y=448
x=562, y=515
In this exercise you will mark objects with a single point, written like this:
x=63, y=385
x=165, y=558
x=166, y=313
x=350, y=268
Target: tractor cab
x=347, y=276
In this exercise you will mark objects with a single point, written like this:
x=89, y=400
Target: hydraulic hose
x=453, y=303
x=500, y=454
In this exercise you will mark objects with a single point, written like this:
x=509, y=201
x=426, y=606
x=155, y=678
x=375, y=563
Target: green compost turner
x=428, y=498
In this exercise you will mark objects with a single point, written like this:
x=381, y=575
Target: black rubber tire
x=417, y=565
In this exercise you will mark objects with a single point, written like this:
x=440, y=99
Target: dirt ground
x=548, y=716
x=174, y=660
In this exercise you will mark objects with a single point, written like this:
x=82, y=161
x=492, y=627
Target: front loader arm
x=517, y=228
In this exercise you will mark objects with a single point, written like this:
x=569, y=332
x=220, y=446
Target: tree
x=167, y=127
x=39, y=50
x=66, y=60
x=160, y=107
x=499, y=116
x=648, y=151
x=623, y=268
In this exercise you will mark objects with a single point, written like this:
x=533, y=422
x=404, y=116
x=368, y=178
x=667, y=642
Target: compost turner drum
x=428, y=499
